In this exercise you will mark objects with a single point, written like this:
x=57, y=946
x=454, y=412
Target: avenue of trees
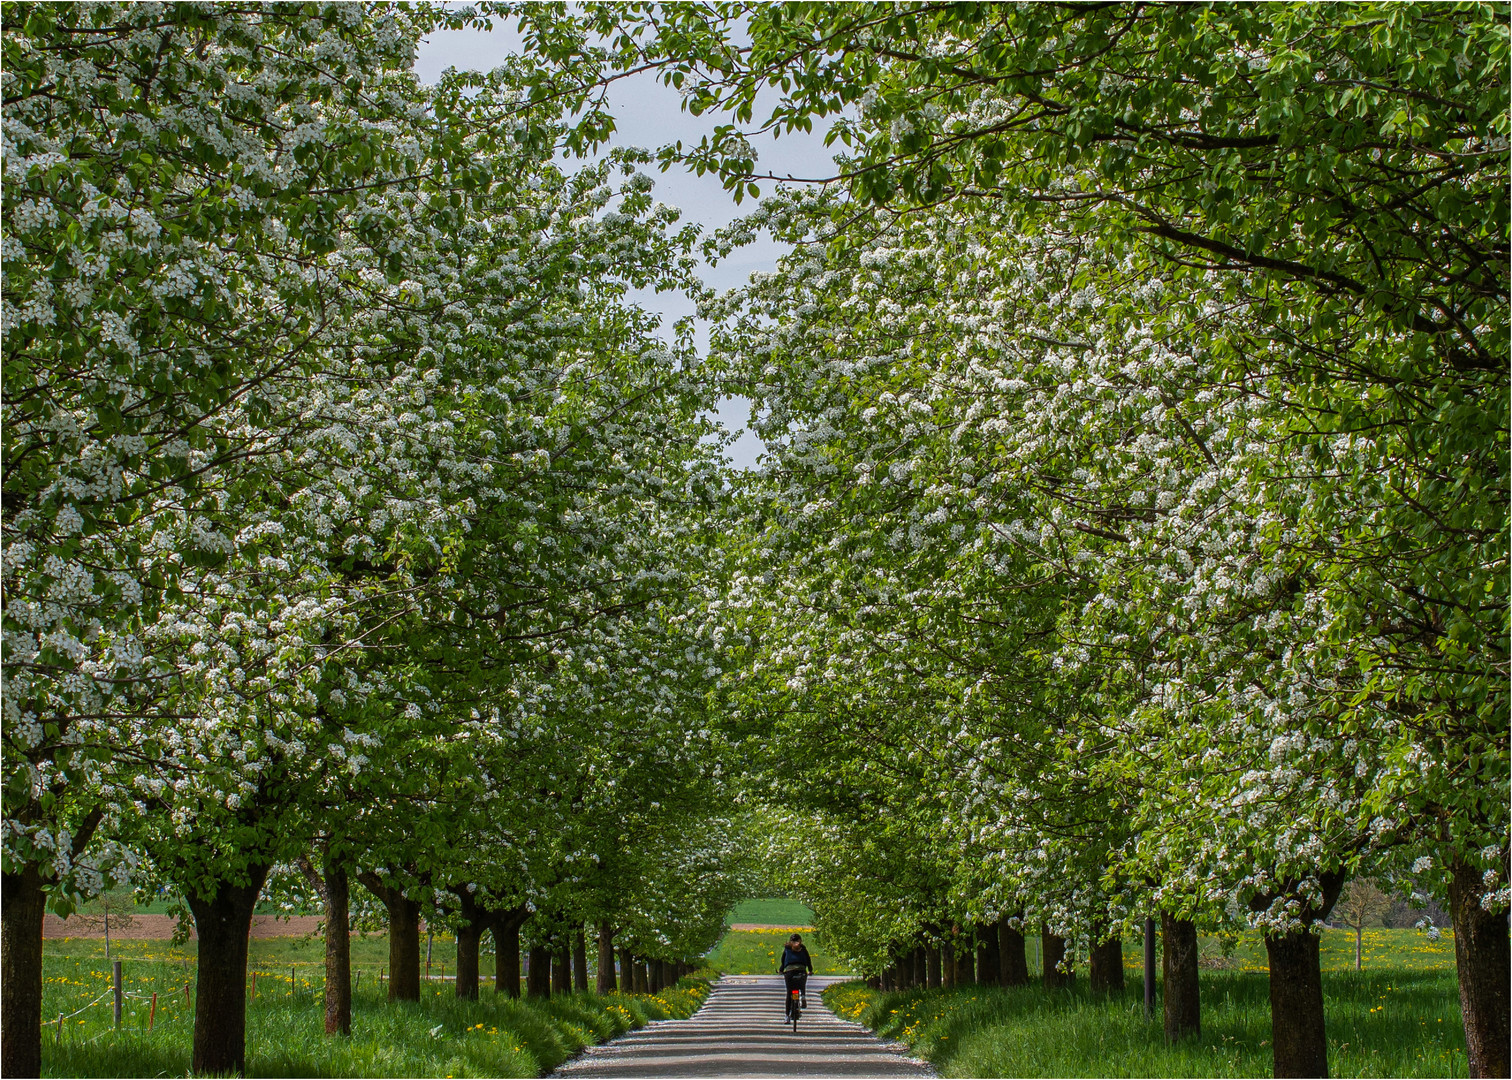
x=352, y=515
x=1134, y=536
x=1132, y=541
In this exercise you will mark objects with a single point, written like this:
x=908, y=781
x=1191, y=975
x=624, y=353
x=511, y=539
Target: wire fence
x=117, y=992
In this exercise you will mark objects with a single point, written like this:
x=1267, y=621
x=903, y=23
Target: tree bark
x=965, y=950
x=334, y=888
x=606, y=982
x=1182, y=1006
x=561, y=969
x=538, y=973
x=469, y=938
x=626, y=970
x=1053, y=949
x=23, y=903
x=1299, y=1043
x=1013, y=963
x=642, y=977
x=932, y=967
x=1105, y=970
x=579, y=960
x=338, y=949
x=1484, y=964
x=988, y=958
x=404, y=937
x=222, y=921
x=505, y=926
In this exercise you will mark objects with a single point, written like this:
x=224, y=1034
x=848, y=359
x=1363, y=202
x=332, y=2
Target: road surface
x=740, y=1031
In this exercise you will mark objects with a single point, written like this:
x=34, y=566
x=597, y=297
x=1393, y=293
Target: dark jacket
x=799, y=955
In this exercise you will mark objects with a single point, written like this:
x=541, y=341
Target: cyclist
x=796, y=966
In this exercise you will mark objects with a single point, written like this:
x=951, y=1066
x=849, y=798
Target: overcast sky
x=650, y=115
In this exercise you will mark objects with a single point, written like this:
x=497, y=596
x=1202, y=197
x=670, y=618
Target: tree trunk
x=642, y=977
x=1484, y=962
x=469, y=937
x=222, y=921
x=404, y=937
x=22, y=907
x=538, y=972
x=506, y=934
x=472, y=920
x=1359, y=933
x=1013, y=964
x=1183, y=1008
x=988, y=958
x=404, y=948
x=1053, y=950
x=606, y=983
x=561, y=969
x=579, y=960
x=626, y=970
x=965, y=960
x=338, y=949
x=1105, y=970
x=1299, y=1044
x=932, y=966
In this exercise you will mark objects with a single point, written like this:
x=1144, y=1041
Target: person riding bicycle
x=796, y=966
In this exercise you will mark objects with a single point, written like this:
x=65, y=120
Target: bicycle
x=797, y=994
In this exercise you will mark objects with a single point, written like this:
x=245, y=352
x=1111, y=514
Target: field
x=755, y=952
x=437, y=1036
x=773, y=912
x=1398, y=1017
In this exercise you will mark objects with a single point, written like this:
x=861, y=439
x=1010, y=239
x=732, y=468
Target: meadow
x=771, y=912
x=437, y=1036
x=755, y=952
x=1398, y=1017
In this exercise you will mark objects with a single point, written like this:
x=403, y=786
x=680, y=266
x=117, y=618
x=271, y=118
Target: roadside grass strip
x=436, y=1036
x=1390, y=1022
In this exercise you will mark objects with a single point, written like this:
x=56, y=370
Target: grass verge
x=1382, y=1023
x=436, y=1036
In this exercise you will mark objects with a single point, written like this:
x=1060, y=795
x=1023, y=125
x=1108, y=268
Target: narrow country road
x=740, y=1032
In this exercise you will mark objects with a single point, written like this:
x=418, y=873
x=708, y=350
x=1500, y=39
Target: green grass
x=437, y=1036
x=1393, y=950
x=1398, y=1017
x=773, y=912
x=755, y=952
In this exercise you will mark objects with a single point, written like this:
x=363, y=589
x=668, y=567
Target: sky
x=649, y=114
